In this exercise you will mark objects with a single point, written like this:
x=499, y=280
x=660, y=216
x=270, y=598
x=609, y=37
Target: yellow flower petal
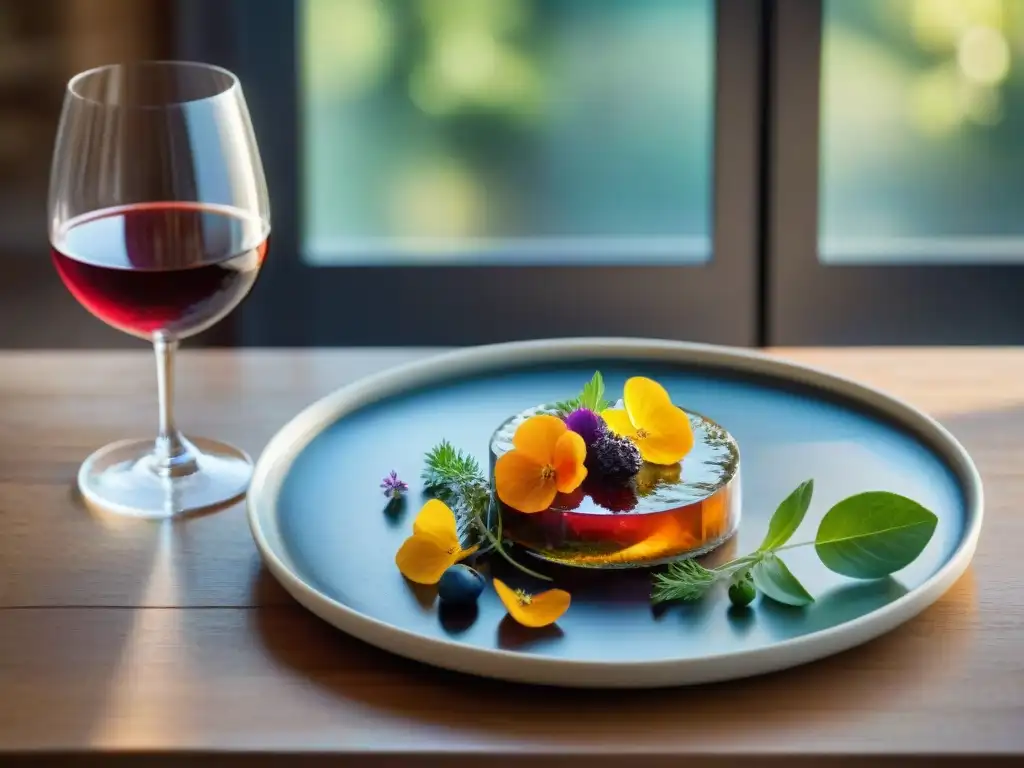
x=521, y=484
x=570, y=452
x=661, y=431
x=422, y=559
x=535, y=438
x=644, y=399
x=434, y=545
x=618, y=422
x=537, y=610
x=437, y=521
x=668, y=438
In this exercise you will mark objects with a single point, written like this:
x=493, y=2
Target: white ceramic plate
x=319, y=522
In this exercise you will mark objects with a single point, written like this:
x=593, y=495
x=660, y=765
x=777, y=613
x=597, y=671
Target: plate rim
x=286, y=444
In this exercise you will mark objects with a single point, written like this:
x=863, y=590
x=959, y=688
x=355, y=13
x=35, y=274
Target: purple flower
x=587, y=424
x=393, y=487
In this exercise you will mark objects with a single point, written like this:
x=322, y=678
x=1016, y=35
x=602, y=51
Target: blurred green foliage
x=432, y=126
x=922, y=114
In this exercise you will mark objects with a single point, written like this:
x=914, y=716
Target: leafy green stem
x=867, y=536
x=793, y=546
x=729, y=568
x=498, y=547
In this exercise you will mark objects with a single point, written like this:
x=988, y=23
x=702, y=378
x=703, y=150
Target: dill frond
x=685, y=580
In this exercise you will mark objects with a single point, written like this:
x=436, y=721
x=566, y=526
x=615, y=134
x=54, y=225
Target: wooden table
x=119, y=637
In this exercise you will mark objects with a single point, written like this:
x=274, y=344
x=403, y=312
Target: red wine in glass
x=174, y=268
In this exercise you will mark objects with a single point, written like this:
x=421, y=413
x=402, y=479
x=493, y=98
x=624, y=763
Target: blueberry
x=460, y=585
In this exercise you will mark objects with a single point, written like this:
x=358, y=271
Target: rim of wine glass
x=232, y=85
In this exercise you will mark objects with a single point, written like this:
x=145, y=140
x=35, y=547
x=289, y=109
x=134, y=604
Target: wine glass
x=159, y=222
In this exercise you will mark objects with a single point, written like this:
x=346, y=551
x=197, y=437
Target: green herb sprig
x=455, y=478
x=866, y=536
x=448, y=467
x=591, y=397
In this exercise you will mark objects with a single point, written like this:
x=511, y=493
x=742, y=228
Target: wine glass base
x=120, y=478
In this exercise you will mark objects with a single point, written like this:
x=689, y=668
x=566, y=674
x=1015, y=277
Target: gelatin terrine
x=661, y=514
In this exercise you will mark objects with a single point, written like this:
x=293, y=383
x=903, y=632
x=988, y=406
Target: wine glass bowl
x=159, y=223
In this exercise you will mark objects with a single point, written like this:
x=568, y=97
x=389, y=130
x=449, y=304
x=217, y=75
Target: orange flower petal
x=423, y=560
x=539, y=611
x=669, y=436
x=618, y=422
x=546, y=608
x=437, y=521
x=536, y=437
x=570, y=451
x=644, y=399
x=520, y=484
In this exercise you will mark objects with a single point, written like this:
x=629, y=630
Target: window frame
x=297, y=304
x=809, y=302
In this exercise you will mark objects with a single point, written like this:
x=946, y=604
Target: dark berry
x=612, y=495
x=614, y=456
x=587, y=424
x=742, y=592
x=460, y=585
x=568, y=501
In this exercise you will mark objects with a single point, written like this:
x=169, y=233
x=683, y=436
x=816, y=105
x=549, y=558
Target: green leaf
x=787, y=517
x=592, y=396
x=873, y=534
x=776, y=581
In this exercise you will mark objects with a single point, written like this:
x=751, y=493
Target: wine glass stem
x=173, y=456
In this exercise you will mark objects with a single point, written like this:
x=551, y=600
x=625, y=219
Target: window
x=896, y=172
x=452, y=172
x=467, y=171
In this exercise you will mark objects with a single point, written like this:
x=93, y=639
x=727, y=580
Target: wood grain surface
x=120, y=639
